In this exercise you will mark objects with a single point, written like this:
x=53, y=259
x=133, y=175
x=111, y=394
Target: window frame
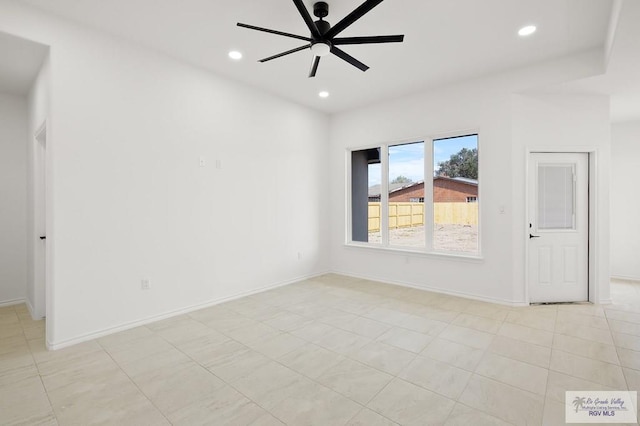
x=429, y=171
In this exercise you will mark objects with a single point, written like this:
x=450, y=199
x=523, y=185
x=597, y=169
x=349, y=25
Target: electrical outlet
x=299, y=255
x=145, y=284
x=203, y=161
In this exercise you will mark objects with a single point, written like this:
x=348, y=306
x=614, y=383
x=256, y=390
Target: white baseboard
x=439, y=290
x=11, y=302
x=132, y=324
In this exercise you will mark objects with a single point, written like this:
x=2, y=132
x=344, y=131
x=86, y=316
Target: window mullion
x=384, y=195
x=428, y=194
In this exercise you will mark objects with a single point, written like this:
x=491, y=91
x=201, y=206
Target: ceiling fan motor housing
x=321, y=9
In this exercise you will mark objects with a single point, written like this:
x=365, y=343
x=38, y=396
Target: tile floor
x=327, y=351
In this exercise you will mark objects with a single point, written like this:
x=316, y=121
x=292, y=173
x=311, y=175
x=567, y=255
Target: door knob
x=44, y=237
x=533, y=236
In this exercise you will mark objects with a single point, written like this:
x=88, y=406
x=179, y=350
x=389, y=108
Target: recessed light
x=527, y=31
x=235, y=55
x=323, y=94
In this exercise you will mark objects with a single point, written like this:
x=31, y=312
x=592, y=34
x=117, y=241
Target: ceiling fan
x=323, y=38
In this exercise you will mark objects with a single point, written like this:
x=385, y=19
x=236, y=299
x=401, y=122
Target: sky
x=408, y=160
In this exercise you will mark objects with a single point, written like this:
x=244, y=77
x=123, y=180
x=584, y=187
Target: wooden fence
x=404, y=215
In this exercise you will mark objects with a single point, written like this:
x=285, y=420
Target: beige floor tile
x=387, y=316
x=267, y=419
x=252, y=333
x=384, y=357
x=538, y=319
x=503, y=401
x=313, y=404
x=201, y=347
x=627, y=341
x=487, y=310
x=355, y=380
x=467, y=336
x=364, y=327
x=583, y=309
x=287, y=321
x=173, y=388
x=408, y=340
x=624, y=327
x=456, y=354
x=632, y=317
x=25, y=402
x=221, y=407
x=148, y=365
x=477, y=323
x=423, y=325
x=554, y=412
x=184, y=331
x=342, y=342
x=633, y=379
x=12, y=361
x=270, y=384
x=313, y=332
x=232, y=360
x=311, y=360
x=629, y=358
x=559, y=383
x=11, y=330
x=585, y=332
x=526, y=334
x=586, y=348
x=437, y=314
x=565, y=317
x=138, y=349
x=14, y=343
x=587, y=369
x=465, y=416
x=275, y=346
x=408, y=404
x=367, y=417
x=124, y=337
x=521, y=351
x=436, y=376
x=525, y=376
x=91, y=368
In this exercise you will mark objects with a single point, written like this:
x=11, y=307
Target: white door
x=558, y=234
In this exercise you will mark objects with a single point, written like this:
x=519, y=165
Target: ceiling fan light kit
x=323, y=40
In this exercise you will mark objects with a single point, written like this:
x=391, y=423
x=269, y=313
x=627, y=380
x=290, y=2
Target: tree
x=462, y=164
x=401, y=179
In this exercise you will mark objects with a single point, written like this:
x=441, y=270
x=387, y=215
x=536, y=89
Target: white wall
x=486, y=106
x=574, y=123
x=129, y=200
x=13, y=199
x=625, y=200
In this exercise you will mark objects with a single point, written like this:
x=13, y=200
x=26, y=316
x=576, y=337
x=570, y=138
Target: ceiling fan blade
x=358, y=13
x=266, y=30
x=368, y=40
x=307, y=18
x=314, y=66
x=345, y=56
x=288, y=52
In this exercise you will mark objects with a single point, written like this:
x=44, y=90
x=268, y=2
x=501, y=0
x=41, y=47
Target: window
x=421, y=196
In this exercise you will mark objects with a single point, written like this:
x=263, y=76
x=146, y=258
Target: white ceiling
x=622, y=79
x=21, y=61
x=445, y=41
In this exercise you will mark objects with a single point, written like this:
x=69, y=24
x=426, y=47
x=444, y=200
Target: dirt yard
x=457, y=238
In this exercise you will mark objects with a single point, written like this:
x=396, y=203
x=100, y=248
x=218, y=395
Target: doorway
x=558, y=227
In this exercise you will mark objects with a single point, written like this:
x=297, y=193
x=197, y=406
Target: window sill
x=473, y=258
